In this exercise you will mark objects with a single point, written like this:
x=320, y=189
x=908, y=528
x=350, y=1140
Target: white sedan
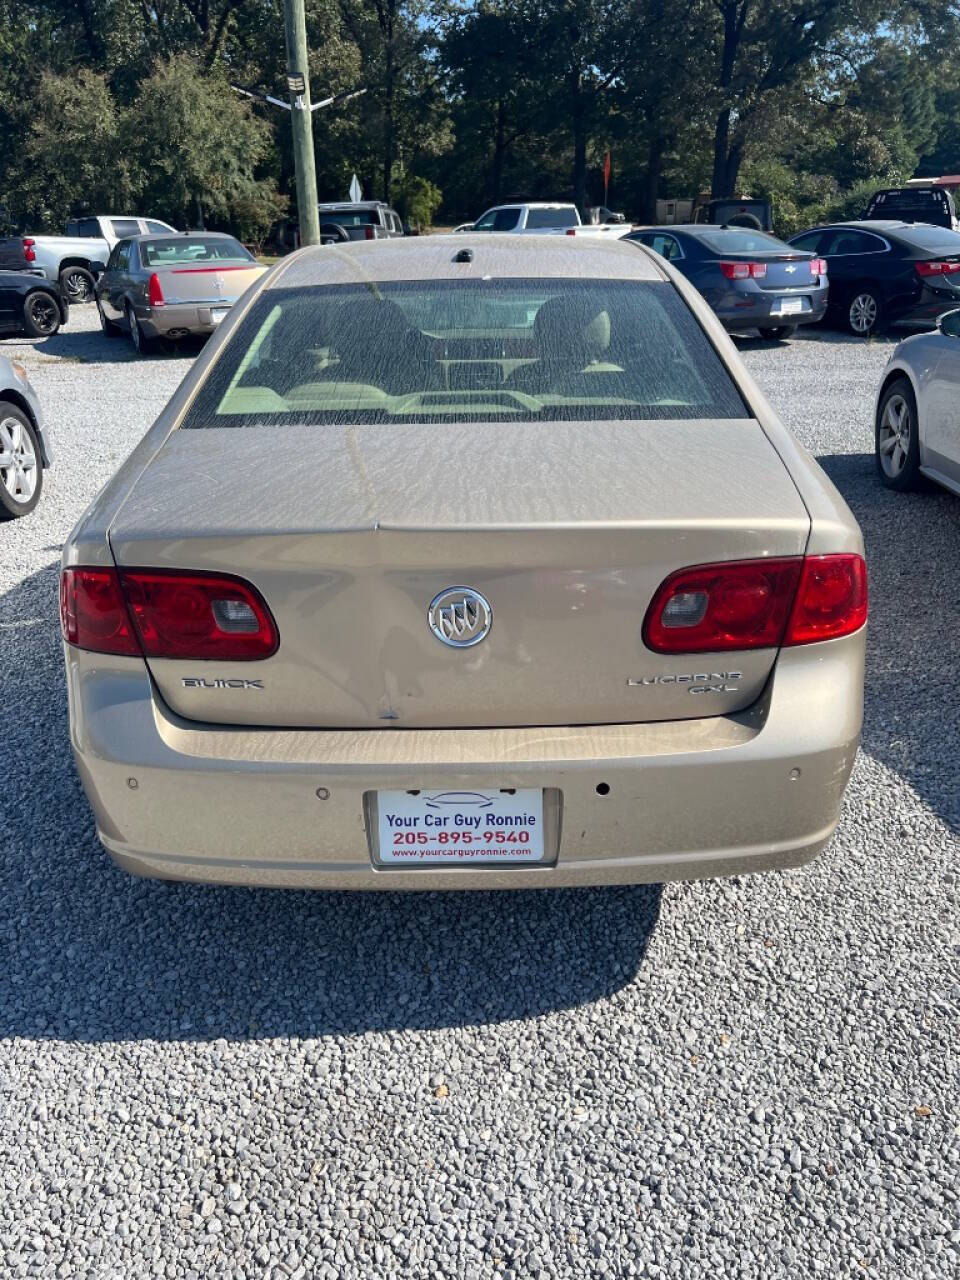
x=918, y=410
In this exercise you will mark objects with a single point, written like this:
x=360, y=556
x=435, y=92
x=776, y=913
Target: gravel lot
x=745, y=1078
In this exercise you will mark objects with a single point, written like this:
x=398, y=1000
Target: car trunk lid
x=566, y=528
x=207, y=284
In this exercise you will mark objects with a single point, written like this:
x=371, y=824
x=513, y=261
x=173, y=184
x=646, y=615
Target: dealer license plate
x=787, y=307
x=217, y=314
x=460, y=828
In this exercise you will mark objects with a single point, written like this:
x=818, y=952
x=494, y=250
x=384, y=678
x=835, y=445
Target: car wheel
x=780, y=332
x=110, y=329
x=141, y=343
x=898, y=437
x=77, y=284
x=865, y=311
x=21, y=476
x=41, y=314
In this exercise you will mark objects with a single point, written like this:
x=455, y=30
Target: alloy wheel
x=77, y=286
x=18, y=461
x=135, y=335
x=863, y=313
x=893, y=438
x=44, y=313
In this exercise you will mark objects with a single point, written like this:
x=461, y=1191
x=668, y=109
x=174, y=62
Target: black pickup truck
x=12, y=254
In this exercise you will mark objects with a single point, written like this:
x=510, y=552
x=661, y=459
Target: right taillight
x=831, y=599
x=757, y=604
x=166, y=613
x=936, y=268
x=28, y=250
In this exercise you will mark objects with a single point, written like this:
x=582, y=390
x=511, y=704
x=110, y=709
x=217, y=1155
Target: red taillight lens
x=831, y=599
x=28, y=250
x=757, y=604
x=154, y=292
x=93, y=612
x=740, y=604
x=936, y=268
x=198, y=615
x=818, y=267
x=369, y=234
x=570, y=231
x=744, y=270
x=165, y=614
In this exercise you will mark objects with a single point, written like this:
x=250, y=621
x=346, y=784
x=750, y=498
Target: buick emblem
x=459, y=617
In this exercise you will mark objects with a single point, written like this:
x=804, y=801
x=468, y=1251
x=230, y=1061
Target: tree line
x=120, y=105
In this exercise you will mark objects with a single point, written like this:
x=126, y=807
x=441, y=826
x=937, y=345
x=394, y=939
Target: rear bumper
x=160, y=322
x=687, y=799
x=756, y=312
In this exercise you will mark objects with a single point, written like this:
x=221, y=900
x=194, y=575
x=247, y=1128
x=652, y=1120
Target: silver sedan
x=24, y=447
x=918, y=410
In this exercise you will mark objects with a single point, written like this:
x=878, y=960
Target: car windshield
x=491, y=350
x=183, y=250
x=740, y=240
x=938, y=239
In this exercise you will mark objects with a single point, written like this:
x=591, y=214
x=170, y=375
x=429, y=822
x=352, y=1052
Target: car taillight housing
x=154, y=291
x=744, y=270
x=28, y=250
x=936, y=268
x=818, y=266
x=757, y=604
x=166, y=613
x=369, y=233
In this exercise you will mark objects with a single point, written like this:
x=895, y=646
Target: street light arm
x=337, y=99
x=261, y=97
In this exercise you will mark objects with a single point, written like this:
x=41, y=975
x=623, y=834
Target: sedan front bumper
x=651, y=802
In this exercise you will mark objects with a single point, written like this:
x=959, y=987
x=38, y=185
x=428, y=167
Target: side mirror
x=949, y=324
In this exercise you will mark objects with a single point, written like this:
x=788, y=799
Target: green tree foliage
x=417, y=200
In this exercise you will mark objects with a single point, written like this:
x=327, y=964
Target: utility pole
x=298, y=82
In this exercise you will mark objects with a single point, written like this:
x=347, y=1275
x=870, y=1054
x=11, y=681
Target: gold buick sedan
x=465, y=564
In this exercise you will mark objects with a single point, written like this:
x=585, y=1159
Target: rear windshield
x=351, y=217
x=491, y=350
x=541, y=218
x=939, y=239
x=741, y=241
x=187, y=249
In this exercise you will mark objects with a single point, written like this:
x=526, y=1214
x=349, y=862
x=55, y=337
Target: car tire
x=897, y=437
x=143, y=345
x=779, y=333
x=865, y=311
x=21, y=468
x=77, y=284
x=109, y=328
x=333, y=233
x=41, y=314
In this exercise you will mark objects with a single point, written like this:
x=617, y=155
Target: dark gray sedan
x=169, y=286
x=751, y=279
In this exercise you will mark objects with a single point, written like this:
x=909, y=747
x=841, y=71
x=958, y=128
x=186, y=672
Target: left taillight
x=161, y=613
x=29, y=252
x=757, y=604
x=154, y=291
x=93, y=612
x=744, y=270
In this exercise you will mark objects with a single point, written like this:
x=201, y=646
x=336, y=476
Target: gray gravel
x=746, y=1078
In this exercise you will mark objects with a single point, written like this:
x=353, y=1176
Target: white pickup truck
x=66, y=259
x=545, y=219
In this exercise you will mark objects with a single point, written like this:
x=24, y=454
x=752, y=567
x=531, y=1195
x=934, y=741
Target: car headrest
x=571, y=323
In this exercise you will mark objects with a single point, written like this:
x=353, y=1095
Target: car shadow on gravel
x=92, y=346
x=911, y=709
x=89, y=953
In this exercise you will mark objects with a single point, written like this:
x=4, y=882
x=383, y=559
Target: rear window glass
x=351, y=217
x=125, y=227
x=184, y=250
x=491, y=350
x=541, y=218
x=939, y=239
x=740, y=241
